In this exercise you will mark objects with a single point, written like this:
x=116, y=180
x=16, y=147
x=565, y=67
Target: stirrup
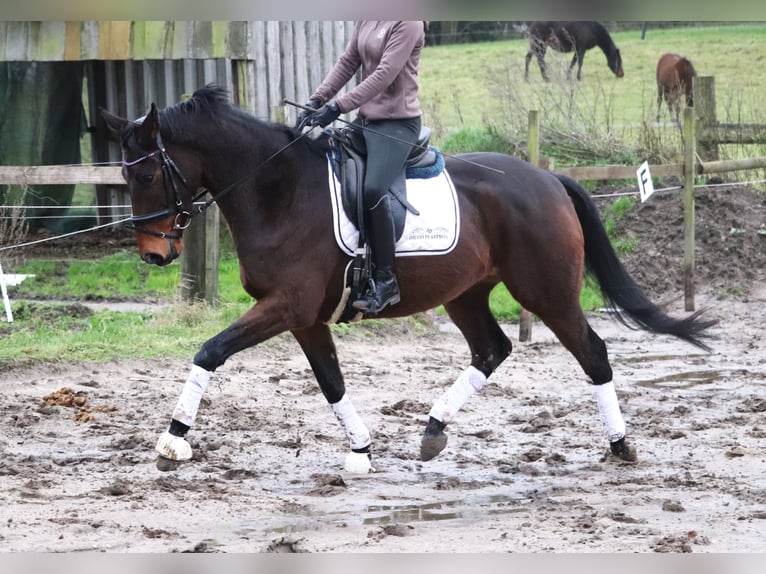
x=371, y=304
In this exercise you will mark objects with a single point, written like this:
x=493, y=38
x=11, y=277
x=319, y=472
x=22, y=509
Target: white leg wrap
x=356, y=431
x=611, y=417
x=447, y=406
x=188, y=403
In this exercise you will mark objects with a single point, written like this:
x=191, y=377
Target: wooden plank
x=3, y=39
x=725, y=133
x=533, y=151
x=89, y=33
x=313, y=45
x=49, y=41
x=202, y=40
x=288, y=63
x=690, y=172
x=584, y=173
x=219, y=37
x=328, y=56
x=59, y=174
x=180, y=40
x=300, y=57
x=238, y=41
x=732, y=165
x=114, y=40
x=705, y=107
x=274, y=64
x=16, y=42
x=73, y=41
x=151, y=40
x=260, y=87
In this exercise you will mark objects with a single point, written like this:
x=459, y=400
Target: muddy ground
x=524, y=470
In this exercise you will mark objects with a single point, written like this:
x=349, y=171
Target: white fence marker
x=645, y=185
x=6, y=302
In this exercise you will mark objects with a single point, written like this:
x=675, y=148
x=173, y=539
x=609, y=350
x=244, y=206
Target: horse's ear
x=114, y=123
x=147, y=131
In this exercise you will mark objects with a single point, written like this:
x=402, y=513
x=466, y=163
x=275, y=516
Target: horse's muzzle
x=158, y=259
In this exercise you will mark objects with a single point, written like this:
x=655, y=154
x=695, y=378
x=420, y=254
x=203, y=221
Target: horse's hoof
x=358, y=463
x=173, y=447
x=431, y=445
x=623, y=450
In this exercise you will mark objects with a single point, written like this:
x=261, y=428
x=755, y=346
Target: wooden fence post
x=199, y=259
x=703, y=88
x=690, y=173
x=533, y=151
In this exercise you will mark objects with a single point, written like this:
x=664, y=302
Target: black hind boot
x=384, y=289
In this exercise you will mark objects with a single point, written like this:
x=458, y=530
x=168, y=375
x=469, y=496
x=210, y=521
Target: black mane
x=213, y=103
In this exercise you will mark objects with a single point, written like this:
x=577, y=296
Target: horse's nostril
x=154, y=259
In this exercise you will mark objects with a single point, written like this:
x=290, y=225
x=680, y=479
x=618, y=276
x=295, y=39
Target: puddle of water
x=657, y=358
x=406, y=513
x=689, y=379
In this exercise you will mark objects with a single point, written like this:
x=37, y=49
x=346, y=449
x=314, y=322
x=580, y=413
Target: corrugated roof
x=124, y=40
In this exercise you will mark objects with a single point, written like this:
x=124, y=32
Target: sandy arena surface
x=524, y=469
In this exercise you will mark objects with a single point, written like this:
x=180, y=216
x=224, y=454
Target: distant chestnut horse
x=565, y=37
x=674, y=79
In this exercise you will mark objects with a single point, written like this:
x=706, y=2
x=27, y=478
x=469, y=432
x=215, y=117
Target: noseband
x=170, y=173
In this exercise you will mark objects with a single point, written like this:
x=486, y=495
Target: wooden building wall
x=130, y=64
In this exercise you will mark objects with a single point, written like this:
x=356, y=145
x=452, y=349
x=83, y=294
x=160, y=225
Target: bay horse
x=565, y=37
x=519, y=224
x=674, y=83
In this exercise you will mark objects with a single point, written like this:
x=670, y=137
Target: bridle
x=170, y=174
x=183, y=217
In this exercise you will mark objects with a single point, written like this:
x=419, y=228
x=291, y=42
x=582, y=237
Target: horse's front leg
x=264, y=320
x=319, y=348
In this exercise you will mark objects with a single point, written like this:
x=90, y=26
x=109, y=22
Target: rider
x=388, y=53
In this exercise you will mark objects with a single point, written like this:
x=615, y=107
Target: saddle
x=348, y=157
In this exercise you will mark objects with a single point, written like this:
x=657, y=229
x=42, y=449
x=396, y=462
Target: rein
x=171, y=172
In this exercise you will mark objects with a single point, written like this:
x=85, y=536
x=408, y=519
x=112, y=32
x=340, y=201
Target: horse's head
x=160, y=190
x=614, y=61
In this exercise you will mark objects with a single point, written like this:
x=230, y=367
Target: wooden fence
x=200, y=262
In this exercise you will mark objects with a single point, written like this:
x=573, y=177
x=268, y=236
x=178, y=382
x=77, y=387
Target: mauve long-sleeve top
x=388, y=53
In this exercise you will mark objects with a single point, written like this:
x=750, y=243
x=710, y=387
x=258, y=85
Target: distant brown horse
x=674, y=79
x=565, y=37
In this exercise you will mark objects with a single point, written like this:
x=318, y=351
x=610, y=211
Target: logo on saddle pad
x=434, y=232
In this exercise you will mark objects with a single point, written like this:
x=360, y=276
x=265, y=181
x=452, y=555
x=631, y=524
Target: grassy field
x=468, y=85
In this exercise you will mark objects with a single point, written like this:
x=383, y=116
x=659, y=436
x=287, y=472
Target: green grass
x=70, y=332
x=459, y=83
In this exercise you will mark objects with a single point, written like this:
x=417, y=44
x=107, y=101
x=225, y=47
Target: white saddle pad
x=434, y=232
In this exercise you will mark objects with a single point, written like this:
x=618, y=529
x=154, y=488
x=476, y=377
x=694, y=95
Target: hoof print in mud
x=165, y=464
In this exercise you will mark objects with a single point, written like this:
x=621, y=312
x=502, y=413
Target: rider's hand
x=324, y=116
x=313, y=103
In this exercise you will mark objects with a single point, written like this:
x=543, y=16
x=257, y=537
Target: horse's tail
x=618, y=288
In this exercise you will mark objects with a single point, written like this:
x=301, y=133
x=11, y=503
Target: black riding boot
x=384, y=289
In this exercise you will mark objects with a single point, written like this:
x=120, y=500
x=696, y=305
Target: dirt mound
x=730, y=241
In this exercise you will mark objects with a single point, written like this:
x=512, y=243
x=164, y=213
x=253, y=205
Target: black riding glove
x=324, y=116
x=313, y=103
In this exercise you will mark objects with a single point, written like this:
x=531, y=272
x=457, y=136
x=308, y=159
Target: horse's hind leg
x=574, y=332
x=489, y=347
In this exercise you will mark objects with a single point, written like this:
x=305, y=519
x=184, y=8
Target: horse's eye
x=145, y=178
